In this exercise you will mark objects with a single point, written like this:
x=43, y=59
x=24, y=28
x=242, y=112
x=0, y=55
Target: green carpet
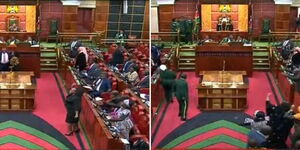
x=203, y=129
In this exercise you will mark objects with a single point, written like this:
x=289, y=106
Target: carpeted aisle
x=43, y=128
x=210, y=129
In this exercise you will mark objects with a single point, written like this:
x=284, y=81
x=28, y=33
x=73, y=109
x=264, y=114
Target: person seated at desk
x=128, y=64
x=2, y=41
x=205, y=40
x=241, y=40
x=227, y=39
x=13, y=28
x=121, y=119
x=103, y=84
x=30, y=41
x=4, y=60
x=13, y=41
x=295, y=77
x=144, y=83
x=132, y=76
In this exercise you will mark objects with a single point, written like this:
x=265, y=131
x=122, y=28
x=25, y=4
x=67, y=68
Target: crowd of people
x=225, y=40
x=291, y=59
x=272, y=129
x=14, y=41
x=98, y=71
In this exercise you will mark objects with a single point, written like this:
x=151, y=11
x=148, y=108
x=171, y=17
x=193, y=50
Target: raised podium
x=17, y=91
x=222, y=90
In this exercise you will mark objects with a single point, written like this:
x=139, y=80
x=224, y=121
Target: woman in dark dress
x=73, y=105
x=117, y=57
x=298, y=24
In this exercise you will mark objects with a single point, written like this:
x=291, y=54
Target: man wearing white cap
x=167, y=79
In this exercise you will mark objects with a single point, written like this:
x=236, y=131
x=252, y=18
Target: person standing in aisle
x=182, y=94
x=167, y=78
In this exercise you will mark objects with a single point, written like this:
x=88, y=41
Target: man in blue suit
x=94, y=70
x=103, y=84
x=144, y=83
x=128, y=64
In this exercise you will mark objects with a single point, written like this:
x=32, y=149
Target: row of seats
x=140, y=115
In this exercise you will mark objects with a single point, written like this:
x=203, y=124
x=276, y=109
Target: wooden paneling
x=206, y=17
x=69, y=21
x=50, y=10
x=282, y=18
x=101, y=15
x=145, y=34
x=262, y=9
x=293, y=15
x=212, y=57
x=30, y=18
x=165, y=17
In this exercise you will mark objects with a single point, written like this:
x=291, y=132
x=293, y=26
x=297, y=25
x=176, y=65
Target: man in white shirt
x=4, y=60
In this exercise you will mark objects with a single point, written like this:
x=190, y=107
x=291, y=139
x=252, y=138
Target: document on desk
x=125, y=141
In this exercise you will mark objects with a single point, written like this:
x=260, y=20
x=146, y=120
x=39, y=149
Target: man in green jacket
x=167, y=78
x=182, y=95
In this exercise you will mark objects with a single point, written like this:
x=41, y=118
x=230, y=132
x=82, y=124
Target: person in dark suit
x=144, y=83
x=81, y=59
x=295, y=78
x=117, y=57
x=128, y=64
x=281, y=122
x=182, y=94
x=4, y=60
x=74, y=45
x=167, y=79
x=103, y=84
x=94, y=70
x=30, y=41
x=73, y=105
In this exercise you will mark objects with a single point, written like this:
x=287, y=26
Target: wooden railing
x=69, y=36
x=166, y=37
x=285, y=85
x=279, y=36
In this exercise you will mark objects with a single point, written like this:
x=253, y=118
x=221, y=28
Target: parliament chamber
x=74, y=74
x=225, y=74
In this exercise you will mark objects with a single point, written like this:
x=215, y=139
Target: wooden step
x=263, y=59
x=48, y=65
x=261, y=68
x=261, y=64
x=44, y=49
x=48, y=60
x=49, y=69
x=187, y=68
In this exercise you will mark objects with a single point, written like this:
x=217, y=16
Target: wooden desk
x=97, y=132
x=216, y=91
x=17, y=91
x=29, y=57
x=219, y=35
x=212, y=57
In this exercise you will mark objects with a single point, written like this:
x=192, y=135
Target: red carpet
x=50, y=106
x=258, y=89
x=12, y=146
x=171, y=119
